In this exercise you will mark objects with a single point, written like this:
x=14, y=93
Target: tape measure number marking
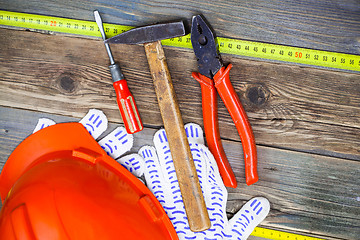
x=57, y=24
x=226, y=45
x=279, y=235
x=290, y=54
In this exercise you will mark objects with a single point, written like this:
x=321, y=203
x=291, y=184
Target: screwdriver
x=125, y=99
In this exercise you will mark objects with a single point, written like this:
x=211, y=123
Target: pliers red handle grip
x=221, y=84
x=214, y=77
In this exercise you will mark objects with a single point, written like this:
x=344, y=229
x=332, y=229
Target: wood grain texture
x=290, y=107
x=331, y=25
x=305, y=120
x=309, y=194
x=188, y=180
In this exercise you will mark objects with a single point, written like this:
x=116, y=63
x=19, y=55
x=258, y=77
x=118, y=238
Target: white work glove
x=161, y=179
x=115, y=143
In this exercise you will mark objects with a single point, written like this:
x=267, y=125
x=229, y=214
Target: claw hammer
x=184, y=165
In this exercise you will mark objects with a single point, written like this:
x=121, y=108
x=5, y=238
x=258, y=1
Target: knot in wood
x=66, y=83
x=257, y=95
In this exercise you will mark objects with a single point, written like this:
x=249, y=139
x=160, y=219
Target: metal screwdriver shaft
x=125, y=100
x=101, y=28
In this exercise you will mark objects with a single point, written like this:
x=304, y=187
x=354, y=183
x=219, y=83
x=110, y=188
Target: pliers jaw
x=205, y=47
x=214, y=79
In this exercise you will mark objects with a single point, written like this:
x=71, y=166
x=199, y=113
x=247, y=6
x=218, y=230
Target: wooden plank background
x=324, y=24
x=305, y=120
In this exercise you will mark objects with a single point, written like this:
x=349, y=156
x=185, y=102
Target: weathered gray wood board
x=308, y=192
x=324, y=24
x=291, y=107
x=306, y=121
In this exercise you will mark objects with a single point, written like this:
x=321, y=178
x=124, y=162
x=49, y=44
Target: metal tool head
x=99, y=23
x=150, y=33
x=205, y=47
x=101, y=29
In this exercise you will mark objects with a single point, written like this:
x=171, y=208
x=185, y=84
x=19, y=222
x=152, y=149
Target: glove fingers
x=43, y=123
x=167, y=166
x=153, y=174
x=215, y=193
x=117, y=142
x=133, y=163
x=194, y=133
x=196, y=139
x=160, y=187
x=214, y=178
x=200, y=165
x=176, y=212
x=95, y=122
x=248, y=217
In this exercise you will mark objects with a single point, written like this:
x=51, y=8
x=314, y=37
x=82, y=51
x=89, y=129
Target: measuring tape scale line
x=290, y=54
x=279, y=235
x=57, y=24
x=226, y=45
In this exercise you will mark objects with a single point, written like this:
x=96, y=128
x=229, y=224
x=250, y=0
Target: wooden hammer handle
x=179, y=146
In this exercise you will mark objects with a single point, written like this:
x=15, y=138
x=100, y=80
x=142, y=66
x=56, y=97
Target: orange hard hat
x=60, y=184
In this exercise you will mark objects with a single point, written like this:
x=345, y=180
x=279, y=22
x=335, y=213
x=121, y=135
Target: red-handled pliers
x=214, y=77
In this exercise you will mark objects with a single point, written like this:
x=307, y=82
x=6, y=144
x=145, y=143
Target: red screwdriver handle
x=211, y=128
x=238, y=114
x=127, y=107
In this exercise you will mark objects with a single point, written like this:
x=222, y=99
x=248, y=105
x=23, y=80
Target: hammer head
x=149, y=33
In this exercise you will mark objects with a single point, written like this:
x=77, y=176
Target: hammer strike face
x=150, y=33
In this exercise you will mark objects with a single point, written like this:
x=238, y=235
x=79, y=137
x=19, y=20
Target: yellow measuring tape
x=278, y=235
x=226, y=45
